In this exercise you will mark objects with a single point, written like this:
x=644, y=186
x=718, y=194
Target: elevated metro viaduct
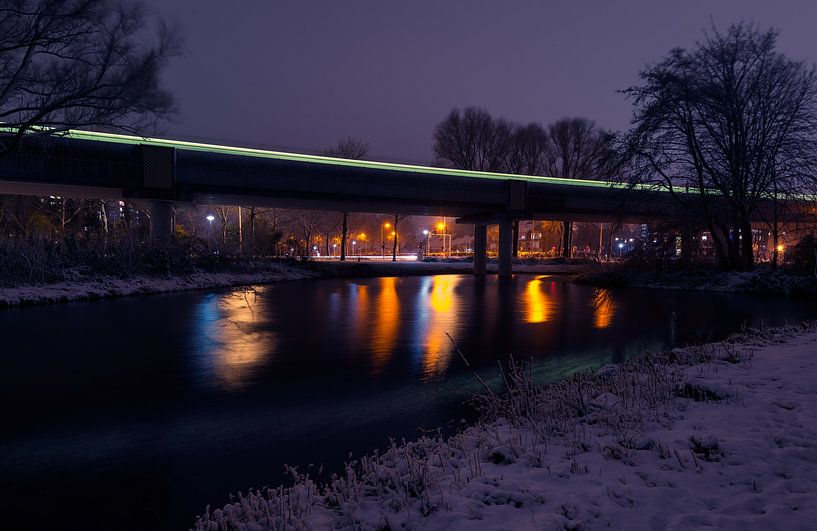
x=164, y=172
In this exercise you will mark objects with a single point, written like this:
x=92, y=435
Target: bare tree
x=575, y=149
x=524, y=154
x=347, y=148
x=397, y=219
x=526, y=150
x=223, y=218
x=81, y=63
x=734, y=122
x=472, y=140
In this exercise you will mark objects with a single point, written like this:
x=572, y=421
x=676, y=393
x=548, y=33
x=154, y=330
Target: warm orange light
x=539, y=307
x=393, y=233
x=361, y=236
x=387, y=225
x=229, y=323
x=779, y=248
x=604, y=308
x=440, y=226
x=442, y=305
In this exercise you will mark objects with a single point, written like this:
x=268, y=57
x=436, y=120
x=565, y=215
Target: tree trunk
x=747, y=249
x=686, y=242
x=252, y=230
x=567, y=238
x=394, y=247
x=344, y=233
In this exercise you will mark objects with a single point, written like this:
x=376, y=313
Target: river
x=135, y=413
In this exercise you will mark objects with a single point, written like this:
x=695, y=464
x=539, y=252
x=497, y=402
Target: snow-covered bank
x=107, y=287
x=721, y=435
x=99, y=287
x=762, y=281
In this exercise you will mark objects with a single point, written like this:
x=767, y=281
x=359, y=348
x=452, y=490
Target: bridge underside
x=161, y=173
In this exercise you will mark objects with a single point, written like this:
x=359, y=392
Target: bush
x=43, y=260
x=803, y=256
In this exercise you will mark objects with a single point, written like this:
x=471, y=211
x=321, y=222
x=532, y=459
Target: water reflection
x=437, y=307
x=359, y=305
x=539, y=307
x=603, y=308
x=303, y=356
x=386, y=323
x=231, y=343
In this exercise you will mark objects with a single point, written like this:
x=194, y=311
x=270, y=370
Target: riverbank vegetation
x=796, y=277
x=715, y=435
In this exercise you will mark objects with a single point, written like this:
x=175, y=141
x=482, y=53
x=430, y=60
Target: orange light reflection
x=241, y=346
x=539, y=307
x=604, y=308
x=387, y=323
x=442, y=318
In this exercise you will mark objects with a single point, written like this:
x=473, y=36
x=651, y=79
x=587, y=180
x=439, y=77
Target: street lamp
x=620, y=247
x=428, y=240
x=382, y=240
x=210, y=218
x=354, y=242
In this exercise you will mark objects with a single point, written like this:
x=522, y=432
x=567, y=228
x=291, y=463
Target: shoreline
x=718, y=435
x=757, y=282
x=107, y=287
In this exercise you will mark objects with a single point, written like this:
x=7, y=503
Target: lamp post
x=354, y=243
x=382, y=240
x=428, y=240
x=210, y=218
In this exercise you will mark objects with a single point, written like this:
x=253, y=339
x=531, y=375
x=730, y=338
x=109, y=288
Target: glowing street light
x=382, y=239
x=210, y=218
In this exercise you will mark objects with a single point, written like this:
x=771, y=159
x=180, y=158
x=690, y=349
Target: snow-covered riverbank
x=721, y=435
x=107, y=287
x=99, y=287
x=762, y=281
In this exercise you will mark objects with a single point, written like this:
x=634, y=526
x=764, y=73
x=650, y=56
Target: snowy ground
x=720, y=436
x=107, y=287
x=760, y=281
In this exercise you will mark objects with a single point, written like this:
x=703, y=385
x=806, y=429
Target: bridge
x=163, y=172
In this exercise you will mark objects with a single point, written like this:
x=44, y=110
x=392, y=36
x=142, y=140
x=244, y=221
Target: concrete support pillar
x=567, y=238
x=161, y=219
x=480, y=249
x=505, y=247
x=515, y=238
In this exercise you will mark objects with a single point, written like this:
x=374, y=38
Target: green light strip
x=317, y=159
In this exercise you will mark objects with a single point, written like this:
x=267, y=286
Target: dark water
x=136, y=413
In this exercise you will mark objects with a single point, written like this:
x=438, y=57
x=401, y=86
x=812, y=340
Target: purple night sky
x=298, y=75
